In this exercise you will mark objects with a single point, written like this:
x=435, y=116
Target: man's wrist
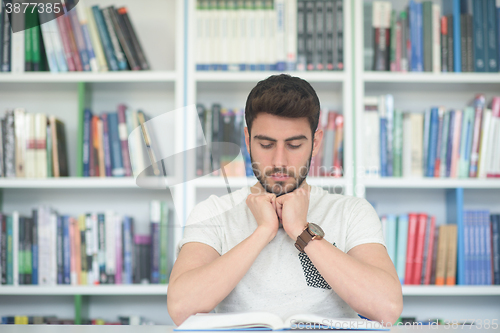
x=265, y=232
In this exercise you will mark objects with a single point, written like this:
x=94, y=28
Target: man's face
x=281, y=150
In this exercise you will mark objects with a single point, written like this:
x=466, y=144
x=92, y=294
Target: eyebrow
x=293, y=138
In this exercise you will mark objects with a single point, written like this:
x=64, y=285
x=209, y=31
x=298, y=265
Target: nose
x=280, y=156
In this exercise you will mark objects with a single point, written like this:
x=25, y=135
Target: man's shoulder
x=215, y=205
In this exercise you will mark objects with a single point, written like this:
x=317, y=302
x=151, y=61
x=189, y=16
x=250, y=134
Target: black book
x=470, y=46
x=60, y=250
x=21, y=251
x=216, y=137
x=34, y=247
x=200, y=138
x=143, y=61
x=444, y=52
x=339, y=14
x=319, y=30
x=301, y=35
x=329, y=36
x=125, y=40
x=463, y=41
x=451, y=64
x=5, y=40
x=309, y=33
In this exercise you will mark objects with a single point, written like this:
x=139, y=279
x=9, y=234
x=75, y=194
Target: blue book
x=390, y=237
x=402, y=241
x=466, y=142
x=127, y=250
x=105, y=39
x=432, y=146
x=10, y=253
x=66, y=251
x=383, y=146
x=87, y=116
x=425, y=146
x=420, y=38
x=114, y=142
x=389, y=107
x=487, y=237
x=451, y=129
x=495, y=224
x=467, y=247
x=491, y=37
x=473, y=248
x=457, y=42
x=454, y=214
x=497, y=11
x=478, y=37
x=413, y=35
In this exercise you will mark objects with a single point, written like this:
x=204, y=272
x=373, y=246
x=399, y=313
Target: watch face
x=316, y=229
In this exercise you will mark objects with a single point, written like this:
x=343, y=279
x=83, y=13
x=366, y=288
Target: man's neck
x=258, y=188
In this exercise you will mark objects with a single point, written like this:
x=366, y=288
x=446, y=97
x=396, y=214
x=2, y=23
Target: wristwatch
x=311, y=231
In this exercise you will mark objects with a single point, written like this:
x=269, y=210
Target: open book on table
x=268, y=321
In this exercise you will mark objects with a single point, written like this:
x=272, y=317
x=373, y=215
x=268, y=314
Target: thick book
x=105, y=39
x=266, y=320
x=122, y=11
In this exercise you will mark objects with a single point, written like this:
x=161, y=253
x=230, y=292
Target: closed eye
x=266, y=146
x=294, y=147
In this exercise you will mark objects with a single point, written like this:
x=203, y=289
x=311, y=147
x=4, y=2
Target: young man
x=282, y=245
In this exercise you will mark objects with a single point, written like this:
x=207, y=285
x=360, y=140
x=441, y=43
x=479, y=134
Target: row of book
x=424, y=252
x=53, y=320
x=436, y=143
x=33, y=145
x=460, y=36
x=330, y=161
x=94, y=248
x=83, y=39
x=282, y=35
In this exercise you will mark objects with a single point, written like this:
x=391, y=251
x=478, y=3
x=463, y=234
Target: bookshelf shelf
x=125, y=76
x=421, y=77
x=125, y=290
x=72, y=183
x=431, y=183
x=253, y=77
x=432, y=290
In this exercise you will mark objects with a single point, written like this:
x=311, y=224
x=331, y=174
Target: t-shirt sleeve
x=202, y=226
x=363, y=226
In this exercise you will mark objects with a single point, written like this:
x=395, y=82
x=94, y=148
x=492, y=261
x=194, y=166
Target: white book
x=485, y=140
x=371, y=130
x=242, y=34
x=251, y=34
x=224, y=38
x=200, y=40
x=436, y=38
x=407, y=145
x=17, y=47
x=291, y=34
x=15, y=248
x=215, y=35
x=110, y=245
x=57, y=43
x=270, y=34
x=263, y=320
x=96, y=42
x=47, y=42
x=279, y=8
x=43, y=247
x=495, y=156
x=417, y=127
x=260, y=19
x=40, y=145
x=233, y=36
x=20, y=141
x=29, y=130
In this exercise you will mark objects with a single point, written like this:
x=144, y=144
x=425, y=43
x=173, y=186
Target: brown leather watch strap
x=303, y=239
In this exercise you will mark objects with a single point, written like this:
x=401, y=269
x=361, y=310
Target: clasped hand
x=289, y=209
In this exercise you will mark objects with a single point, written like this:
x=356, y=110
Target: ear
x=318, y=138
x=247, y=139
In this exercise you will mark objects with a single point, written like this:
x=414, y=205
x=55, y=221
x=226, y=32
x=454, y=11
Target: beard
x=280, y=187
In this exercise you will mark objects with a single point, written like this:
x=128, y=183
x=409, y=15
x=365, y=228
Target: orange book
x=430, y=251
x=441, y=255
x=451, y=265
x=95, y=145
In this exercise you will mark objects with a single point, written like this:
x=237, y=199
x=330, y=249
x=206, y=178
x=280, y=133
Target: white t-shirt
x=282, y=280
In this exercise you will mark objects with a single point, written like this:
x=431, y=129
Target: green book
x=21, y=252
x=164, y=243
x=28, y=252
x=397, y=162
x=444, y=144
x=10, y=253
x=28, y=53
x=427, y=37
x=466, y=142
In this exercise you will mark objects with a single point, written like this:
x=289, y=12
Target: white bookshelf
x=415, y=92
x=75, y=77
x=100, y=290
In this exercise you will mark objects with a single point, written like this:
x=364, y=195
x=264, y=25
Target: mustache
x=290, y=173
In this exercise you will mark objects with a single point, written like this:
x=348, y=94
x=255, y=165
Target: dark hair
x=285, y=96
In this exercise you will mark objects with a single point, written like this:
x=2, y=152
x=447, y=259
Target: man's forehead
x=280, y=128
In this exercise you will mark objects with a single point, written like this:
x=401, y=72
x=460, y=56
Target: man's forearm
x=202, y=288
x=367, y=289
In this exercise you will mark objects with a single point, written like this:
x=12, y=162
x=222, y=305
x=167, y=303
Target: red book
x=410, y=250
x=495, y=115
x=419, y=248
x=430, y=251
x=68, y=54
x=123, y=135
x=72, y=43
